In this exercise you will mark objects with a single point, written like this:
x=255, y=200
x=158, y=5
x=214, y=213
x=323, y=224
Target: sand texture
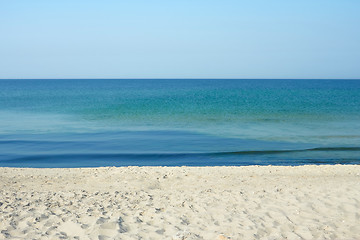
x=306, y=202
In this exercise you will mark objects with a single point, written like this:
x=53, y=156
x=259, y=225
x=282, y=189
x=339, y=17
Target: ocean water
x=159, y=122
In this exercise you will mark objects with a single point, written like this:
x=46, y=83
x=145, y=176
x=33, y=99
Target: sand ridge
x=253, y=202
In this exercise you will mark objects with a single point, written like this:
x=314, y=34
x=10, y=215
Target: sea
x=50, y=123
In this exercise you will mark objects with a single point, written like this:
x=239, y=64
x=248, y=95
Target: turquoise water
x=73, y=123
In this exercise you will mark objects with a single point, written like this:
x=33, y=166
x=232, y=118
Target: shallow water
x=83, y=123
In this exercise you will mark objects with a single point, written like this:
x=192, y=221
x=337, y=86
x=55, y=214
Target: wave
x=318, y=149
x=162, y=149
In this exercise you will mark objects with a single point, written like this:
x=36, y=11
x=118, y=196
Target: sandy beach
x=305, y=202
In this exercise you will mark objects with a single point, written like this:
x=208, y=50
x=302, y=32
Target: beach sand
x=253, y=202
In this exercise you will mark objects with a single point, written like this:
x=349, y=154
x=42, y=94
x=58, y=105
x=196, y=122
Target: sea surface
x=177, y=122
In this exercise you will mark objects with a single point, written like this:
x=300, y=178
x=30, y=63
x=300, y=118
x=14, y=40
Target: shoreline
x=242, y=202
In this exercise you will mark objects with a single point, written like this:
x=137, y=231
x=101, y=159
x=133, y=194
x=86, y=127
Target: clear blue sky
x=180, y=39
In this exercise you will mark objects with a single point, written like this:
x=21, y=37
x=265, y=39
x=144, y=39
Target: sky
x=180, y=39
